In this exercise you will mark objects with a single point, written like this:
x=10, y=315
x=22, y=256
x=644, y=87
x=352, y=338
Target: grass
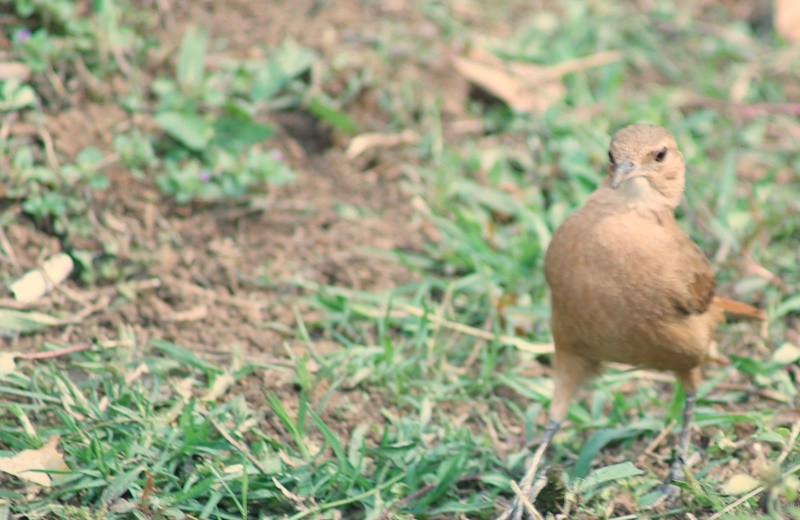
x=416, y=413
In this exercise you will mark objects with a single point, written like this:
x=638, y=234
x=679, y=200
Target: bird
x=628, y=285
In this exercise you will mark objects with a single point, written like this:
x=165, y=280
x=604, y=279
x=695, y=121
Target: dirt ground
x=213, y=278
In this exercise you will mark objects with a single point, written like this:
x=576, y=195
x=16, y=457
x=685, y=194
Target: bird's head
x=644, y=164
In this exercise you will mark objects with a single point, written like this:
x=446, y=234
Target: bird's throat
x=638, y=192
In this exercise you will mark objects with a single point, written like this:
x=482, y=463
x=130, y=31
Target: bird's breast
x=609, y=274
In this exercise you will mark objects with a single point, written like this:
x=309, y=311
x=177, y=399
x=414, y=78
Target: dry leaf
x=739, y=484
x=787, y=19
x=508, y=88
x=31, y=465
x=137, y=372
x=786, y=354
x=524, y=86
x=14, y=70
x=36, y=283
x=7, y=364
x=196, y=313
x=364, y=142
x=222, y=384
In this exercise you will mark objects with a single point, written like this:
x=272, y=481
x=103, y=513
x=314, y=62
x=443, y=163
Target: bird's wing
x=695, y=290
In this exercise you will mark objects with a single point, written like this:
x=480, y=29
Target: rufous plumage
x=628, y=285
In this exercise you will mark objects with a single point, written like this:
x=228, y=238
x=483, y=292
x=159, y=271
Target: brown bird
x=628, y=285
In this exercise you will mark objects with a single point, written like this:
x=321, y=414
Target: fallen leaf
x=510, y=89
x=36, y=283
x=221, y=385
x=739, y=484
x=786, y=354
x=196, y=313
x=14, y=70
x=7, y=364
x=787, y=19
x=364, y=142
x=522, y=86
x=33, y=465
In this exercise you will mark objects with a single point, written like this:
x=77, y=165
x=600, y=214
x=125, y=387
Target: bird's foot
x=668, y=490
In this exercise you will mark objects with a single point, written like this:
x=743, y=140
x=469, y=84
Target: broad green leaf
x=333, y=116
x=189, y=129
x=191, y=59
x=615, y=472
x=15, y=95
x=268, y=81
x=25, y=321
x=791, y=304
x=600, y=438
x=461, y=507
x=292, y=59
x=235, y=134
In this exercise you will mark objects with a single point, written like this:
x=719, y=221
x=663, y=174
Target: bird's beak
x=621, y=170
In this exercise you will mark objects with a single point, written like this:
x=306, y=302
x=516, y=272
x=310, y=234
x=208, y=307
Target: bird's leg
x=526, y=484
x=669, y=490
x=676, y=469
x=571, y=372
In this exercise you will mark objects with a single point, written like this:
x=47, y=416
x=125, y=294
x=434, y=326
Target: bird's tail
x=739, y=309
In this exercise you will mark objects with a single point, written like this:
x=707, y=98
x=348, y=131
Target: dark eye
x=661, y=154
x=611, y=157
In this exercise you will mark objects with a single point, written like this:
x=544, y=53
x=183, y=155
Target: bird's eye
x=611, y=157
x=661, y=154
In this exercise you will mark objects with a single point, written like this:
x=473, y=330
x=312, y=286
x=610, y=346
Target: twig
x=764, y=393
x=8, y=249
x=737, y=503
x=236, y=444
x=525, y=502
x=742, y=109
x=58, y=86
x=648, y=451
x=55, y=353
x=49, y=149
x=298, y=500
x=754, y=268
x=5, y=128
x=748, y=496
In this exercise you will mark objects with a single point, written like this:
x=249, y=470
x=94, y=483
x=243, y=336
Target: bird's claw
x=669, y=492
